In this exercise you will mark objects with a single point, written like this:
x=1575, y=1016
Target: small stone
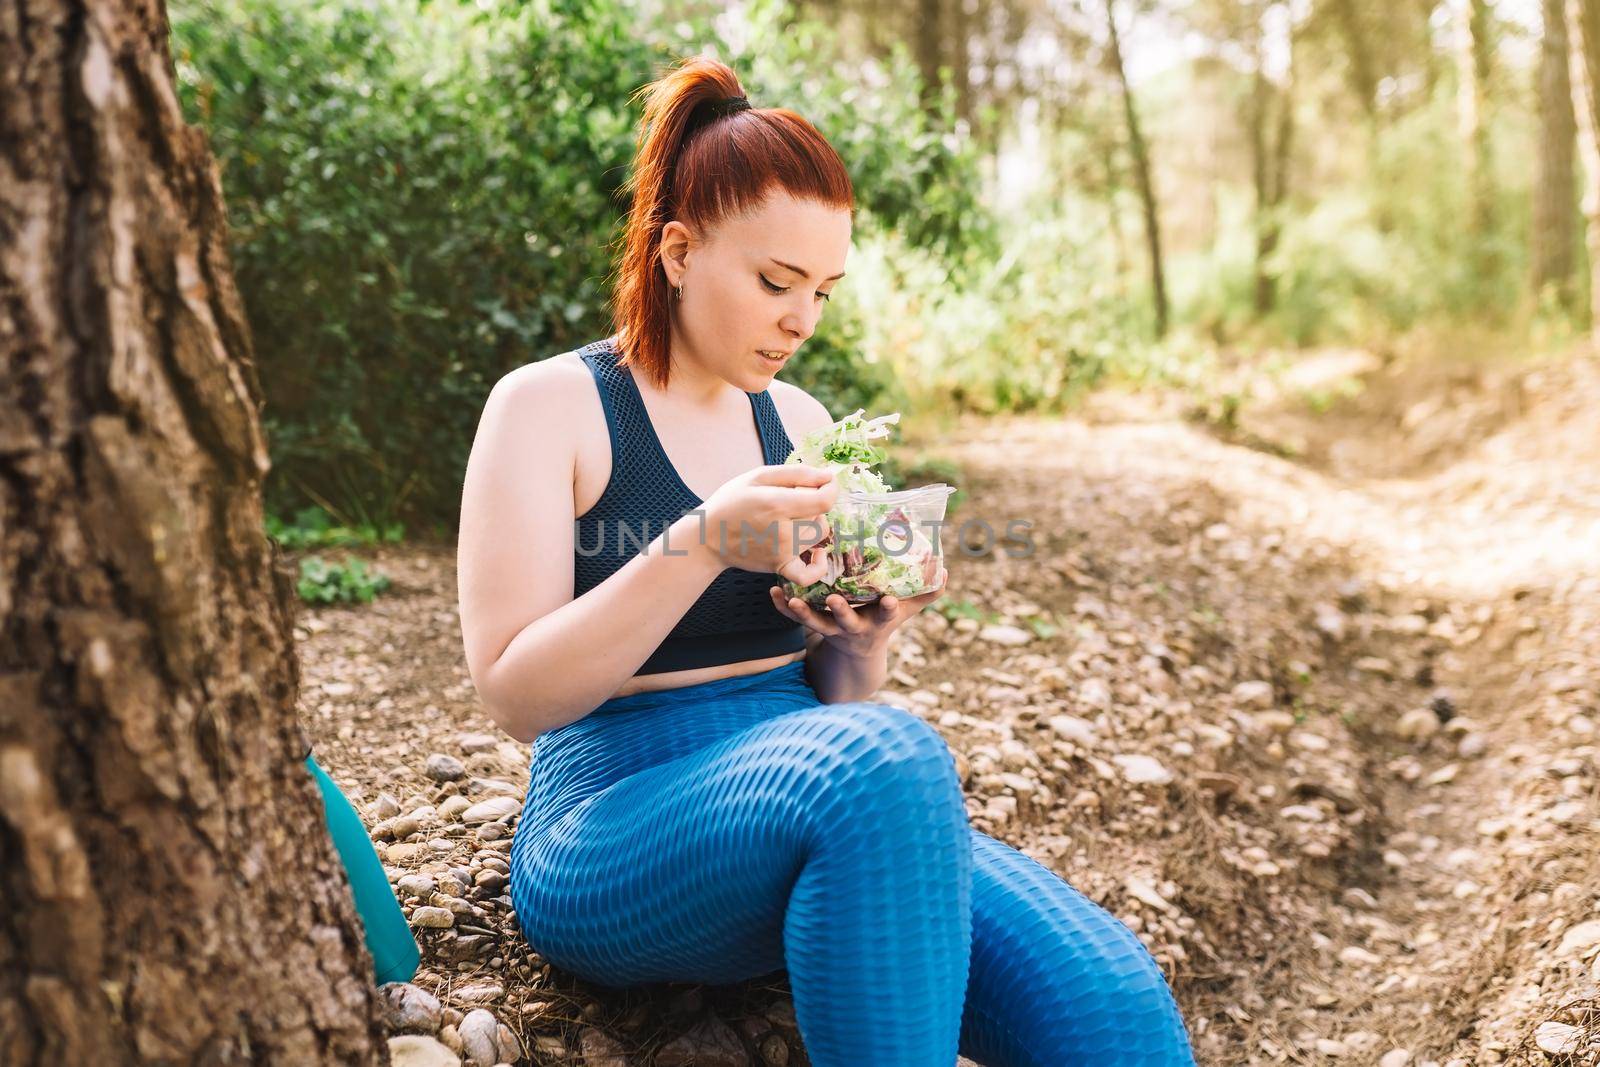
x=1558, y=1039
x=415, y=1050
x=1444, y=774
x=417, y=885
x=1471, y=746
x=1306, y=741
x=1356, y=897
x=1142, y=770
x=453, y=806
x=450, y=1037
x=432, y=918
x=471, y=743
x=442, y=767
x=1073, y=729
x=1219, y=783
x=1580, y=939
x=1565, y=767
x=1375, y=665
x=1054, y=679
x=1001, y=634
x=508, y=1047
x=550, y=1045
x=484, y=992
x=1253, y=694
x=1357, y=956
x=1145, y=893
x=1278, y=722
x=385, y=807
x=490, y=810
x=1395, y=1057
x=1418, y=724
x=1327, y=1046
x=1330, y=621
x=410, y=1009
x=478, y=1038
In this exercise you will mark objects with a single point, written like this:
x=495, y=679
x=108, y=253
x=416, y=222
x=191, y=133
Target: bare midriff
x=643, y=683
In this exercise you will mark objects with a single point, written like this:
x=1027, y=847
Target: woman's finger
x=781, y=602
x=813, y=618
x=846, y=616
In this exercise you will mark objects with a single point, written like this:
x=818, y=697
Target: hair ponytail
x=700, y=160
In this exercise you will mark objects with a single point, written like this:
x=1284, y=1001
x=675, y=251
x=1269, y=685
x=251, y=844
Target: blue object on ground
x=394, y=951
x=731, y=829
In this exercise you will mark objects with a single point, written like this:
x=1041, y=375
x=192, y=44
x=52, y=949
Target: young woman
x=713, y=797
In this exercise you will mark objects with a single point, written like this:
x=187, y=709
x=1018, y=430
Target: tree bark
x=1271, y=139
x=929, y=48
x=961, y=58
x=1141, y=168
x=1584, y=31
x=1474, y=52
x=1363, y=81
x=172, y=895
x=1554, y=192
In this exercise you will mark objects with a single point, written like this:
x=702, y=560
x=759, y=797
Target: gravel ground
x=1306, y=695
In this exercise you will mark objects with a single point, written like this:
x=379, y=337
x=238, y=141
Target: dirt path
x=1321, y=729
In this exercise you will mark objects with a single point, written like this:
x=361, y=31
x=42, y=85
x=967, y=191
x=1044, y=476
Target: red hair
x=700, y=174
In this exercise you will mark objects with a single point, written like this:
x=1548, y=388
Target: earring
x=680, y=294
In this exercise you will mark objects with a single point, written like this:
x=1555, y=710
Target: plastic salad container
x=880, y=541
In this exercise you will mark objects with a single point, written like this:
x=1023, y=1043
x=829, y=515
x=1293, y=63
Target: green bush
x=314, y=528
x=322, y=582
x=423, y=196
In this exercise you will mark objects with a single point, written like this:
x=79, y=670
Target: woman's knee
x=879, y=753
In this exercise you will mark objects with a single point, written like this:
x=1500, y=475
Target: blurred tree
x=1584, y=22
x=1475, y=48
x=1141, y=169
x=172, y=894
x=1554, y=193
x=1271, y=123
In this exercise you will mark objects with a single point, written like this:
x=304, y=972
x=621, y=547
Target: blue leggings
x=728, y=830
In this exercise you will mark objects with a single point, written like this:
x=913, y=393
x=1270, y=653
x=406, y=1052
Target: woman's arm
x=540, y=658
x=842, y=676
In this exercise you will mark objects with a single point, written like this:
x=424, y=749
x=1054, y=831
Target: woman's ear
x=674, y=251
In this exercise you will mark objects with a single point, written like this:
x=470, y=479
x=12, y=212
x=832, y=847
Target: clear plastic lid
x=897, y=496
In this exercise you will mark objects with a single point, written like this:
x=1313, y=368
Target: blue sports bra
x=734, y=618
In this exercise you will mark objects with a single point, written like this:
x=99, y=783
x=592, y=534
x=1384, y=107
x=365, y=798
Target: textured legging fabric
x=728, y=830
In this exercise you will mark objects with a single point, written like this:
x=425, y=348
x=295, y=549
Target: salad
x=877, y=543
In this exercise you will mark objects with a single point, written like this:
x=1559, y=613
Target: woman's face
x=756, y=283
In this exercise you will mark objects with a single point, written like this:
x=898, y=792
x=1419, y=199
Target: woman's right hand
x=780, y=510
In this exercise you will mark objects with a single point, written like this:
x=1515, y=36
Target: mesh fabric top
x=734, y=618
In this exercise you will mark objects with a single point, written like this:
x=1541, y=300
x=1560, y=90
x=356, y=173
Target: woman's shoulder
x=553, y=378
x=551, y=398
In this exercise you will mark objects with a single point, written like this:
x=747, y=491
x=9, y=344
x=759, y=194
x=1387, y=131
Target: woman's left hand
x=861, y=630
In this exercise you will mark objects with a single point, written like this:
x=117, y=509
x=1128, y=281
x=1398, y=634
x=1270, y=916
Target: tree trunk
x=1363, y=81
x=1554, y=192
x=961, y=58
x=929, y=48
x=1141, y=168
x=1270, y=145
x=172, y=894
x=1473, y=57
x=1584, y=31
